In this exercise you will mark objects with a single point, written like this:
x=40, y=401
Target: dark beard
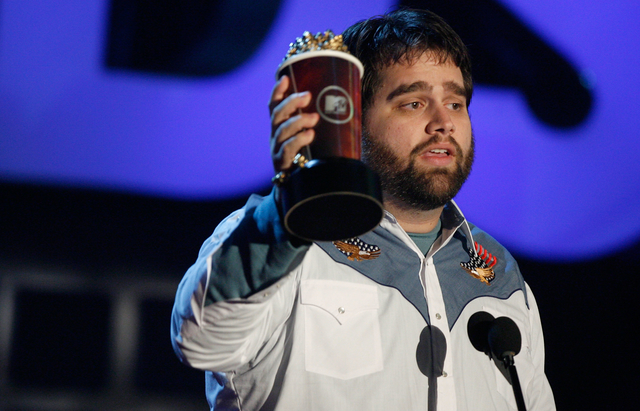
x=417, y=189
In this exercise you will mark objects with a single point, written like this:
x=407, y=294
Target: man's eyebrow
x=451, y=86
x=409, y=88
x=455, y=88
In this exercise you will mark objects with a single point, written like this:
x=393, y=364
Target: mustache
x=433, y=140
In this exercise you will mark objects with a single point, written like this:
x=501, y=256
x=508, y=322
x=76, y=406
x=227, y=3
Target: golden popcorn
x=321, y=41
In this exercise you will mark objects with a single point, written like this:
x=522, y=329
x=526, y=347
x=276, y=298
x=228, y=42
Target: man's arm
x=538, y=392
x=238, y=292
x=235, y=296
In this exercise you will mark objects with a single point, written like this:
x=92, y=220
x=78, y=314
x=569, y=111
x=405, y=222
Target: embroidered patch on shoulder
x=481, y=264
x=356, y=249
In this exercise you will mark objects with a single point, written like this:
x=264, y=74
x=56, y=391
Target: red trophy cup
x=329, y=193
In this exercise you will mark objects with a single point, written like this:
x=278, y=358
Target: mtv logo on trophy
x=335, y=104
x=329, y=194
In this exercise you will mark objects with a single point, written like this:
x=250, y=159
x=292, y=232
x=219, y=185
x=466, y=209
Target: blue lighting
x=549, y=193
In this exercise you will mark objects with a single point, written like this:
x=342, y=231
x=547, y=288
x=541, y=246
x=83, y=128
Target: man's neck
x=413, y=220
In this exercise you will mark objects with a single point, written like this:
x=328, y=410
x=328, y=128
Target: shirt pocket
x=342, y=330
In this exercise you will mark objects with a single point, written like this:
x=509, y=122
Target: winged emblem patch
x=481, y=264
x=357, y=250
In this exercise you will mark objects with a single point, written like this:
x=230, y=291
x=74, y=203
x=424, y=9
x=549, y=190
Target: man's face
x=417, y=133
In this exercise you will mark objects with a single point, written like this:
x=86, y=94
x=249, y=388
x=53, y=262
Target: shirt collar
x=452, y=220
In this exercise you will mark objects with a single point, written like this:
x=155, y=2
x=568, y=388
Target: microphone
x=504, y=339
x=505, y=342
x=501, y=338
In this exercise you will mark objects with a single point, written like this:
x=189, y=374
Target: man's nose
x=440, y=121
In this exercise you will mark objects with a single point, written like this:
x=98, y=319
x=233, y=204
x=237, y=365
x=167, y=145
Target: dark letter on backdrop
x=186, y=37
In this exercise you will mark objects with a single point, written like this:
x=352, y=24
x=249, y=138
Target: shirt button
x=444, y=374
x=341, y=310
x=438, y=316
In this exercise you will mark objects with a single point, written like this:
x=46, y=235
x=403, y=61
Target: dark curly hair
x=403, y=36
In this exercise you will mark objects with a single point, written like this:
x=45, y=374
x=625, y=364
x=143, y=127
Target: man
x=281, y=324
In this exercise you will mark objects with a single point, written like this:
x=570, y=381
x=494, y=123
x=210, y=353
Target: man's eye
x=413, y=105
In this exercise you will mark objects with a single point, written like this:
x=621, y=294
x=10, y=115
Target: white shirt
x=342, y=334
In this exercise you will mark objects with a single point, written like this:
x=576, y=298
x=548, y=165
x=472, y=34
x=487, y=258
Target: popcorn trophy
x=329, y=194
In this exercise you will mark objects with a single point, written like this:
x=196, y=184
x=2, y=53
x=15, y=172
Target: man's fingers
x=288, y=107
x=278, y=92
x=283, y=160
x=295, y=125
x=290, y=137
x=291, y=128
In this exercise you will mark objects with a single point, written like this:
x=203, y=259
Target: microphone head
x=478, y=330
x=504, y=339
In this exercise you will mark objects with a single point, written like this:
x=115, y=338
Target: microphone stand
x=509, y=364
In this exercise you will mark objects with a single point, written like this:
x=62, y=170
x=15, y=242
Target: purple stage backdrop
x=549, y=193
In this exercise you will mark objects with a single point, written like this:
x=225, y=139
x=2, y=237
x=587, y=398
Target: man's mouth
x=438, y=156
x=438, y=153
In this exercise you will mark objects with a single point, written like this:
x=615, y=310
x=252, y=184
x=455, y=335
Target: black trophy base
x=332, y=199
